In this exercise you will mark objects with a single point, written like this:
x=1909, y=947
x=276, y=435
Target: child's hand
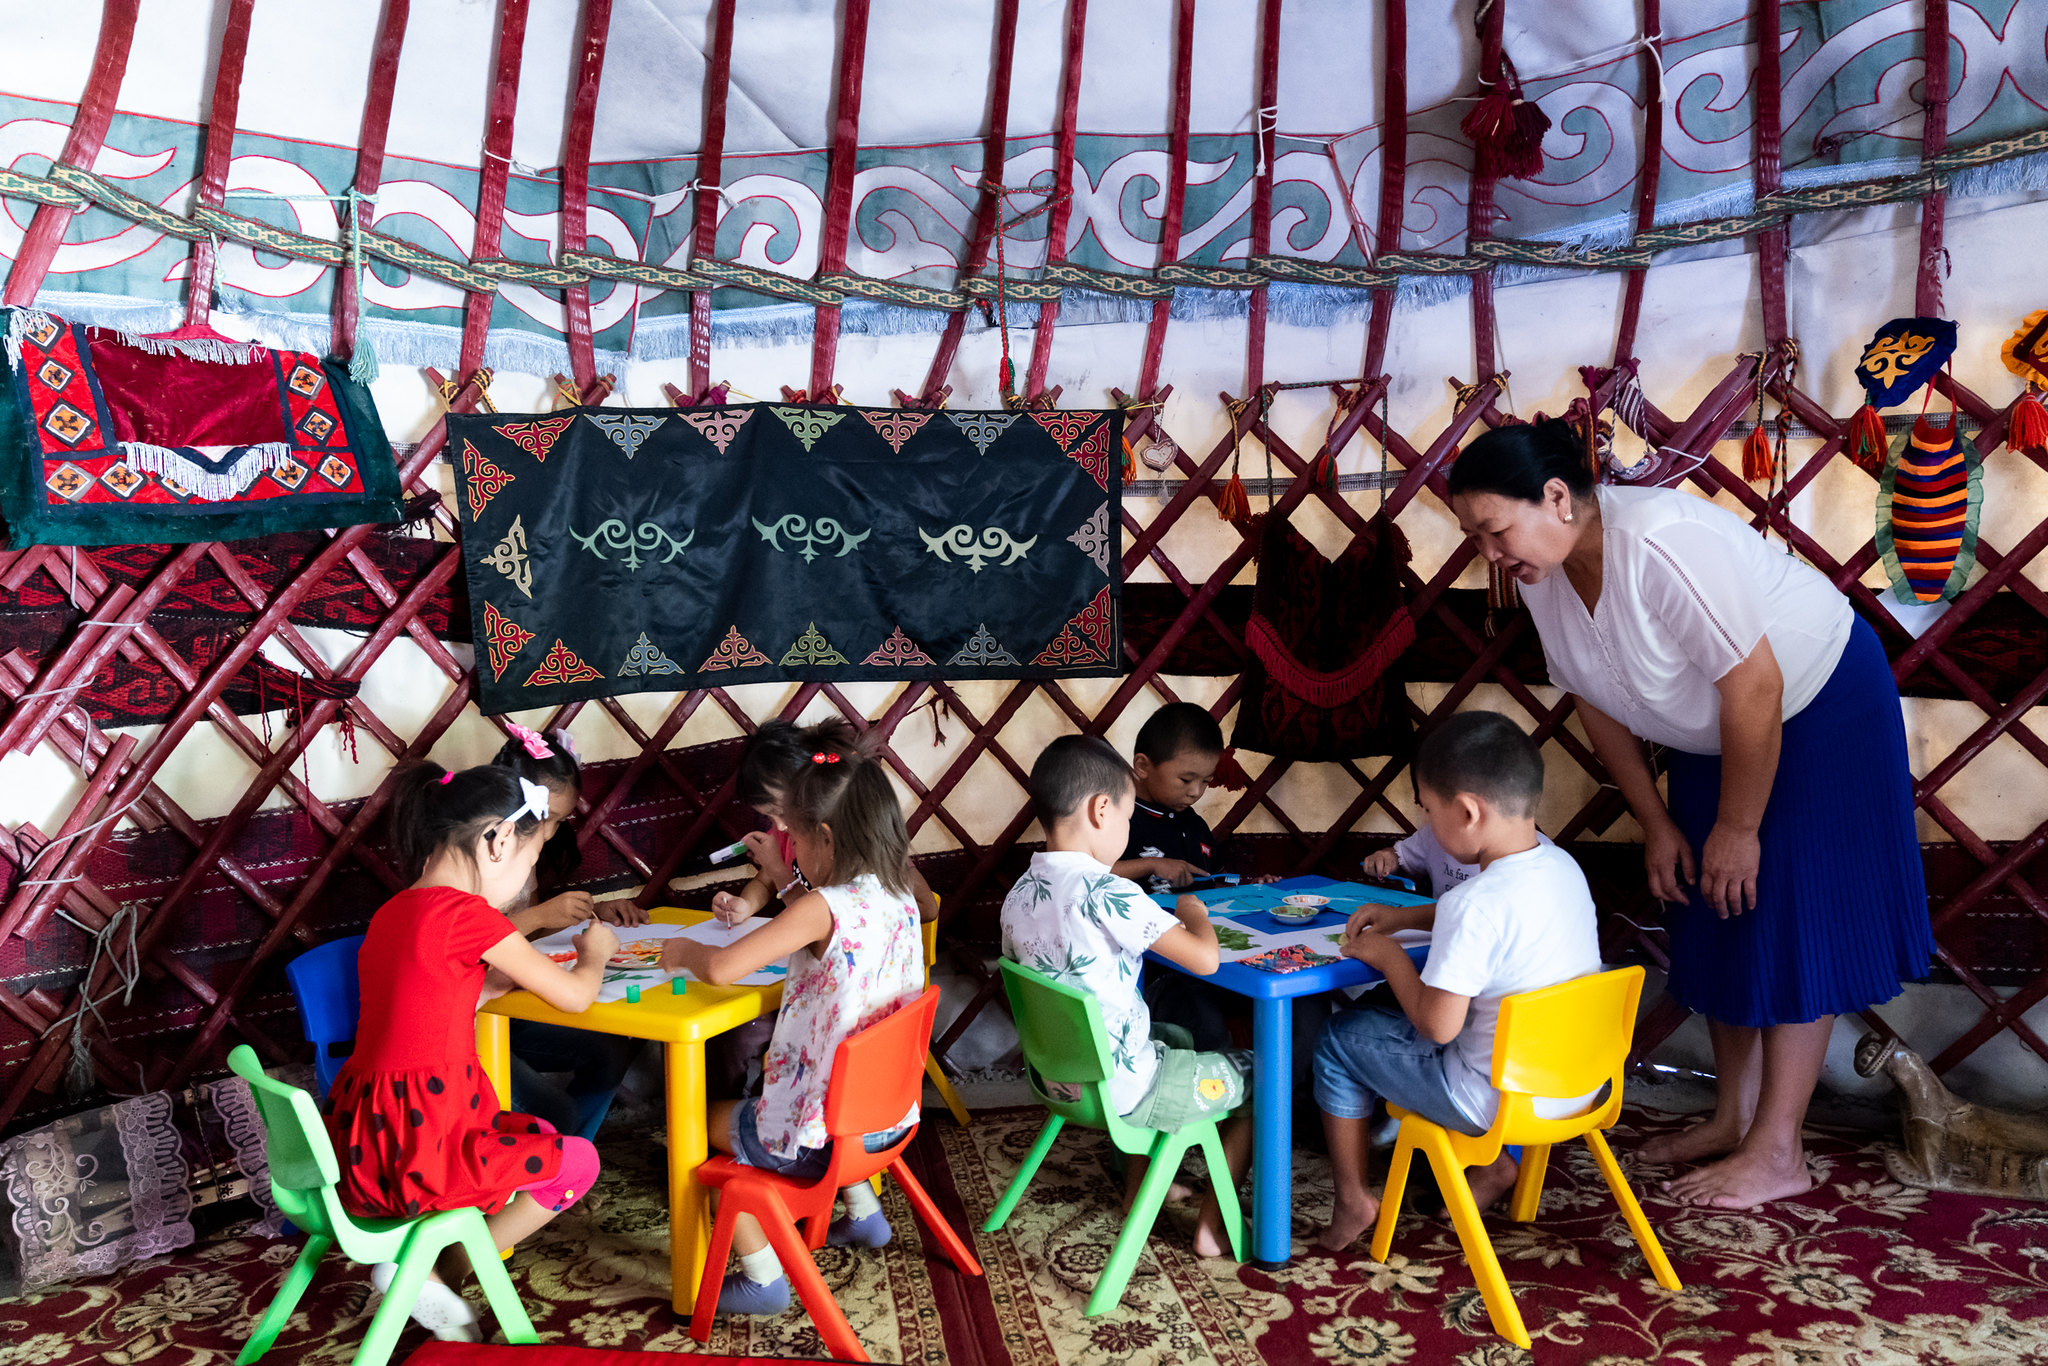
x=559, y=913
x=1382, y=863
x=729, y=909
x=496, y=984
x=1369, y=947
x=622, y=911
x=596, y=942
x=765, y=851
x=1382, y=919
x=1177, y=872
x=684, y=956
x=1190, y=911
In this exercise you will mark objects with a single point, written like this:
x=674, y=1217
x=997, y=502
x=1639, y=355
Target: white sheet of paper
x=618, y=977
x=718, y=936
x=1318, y=939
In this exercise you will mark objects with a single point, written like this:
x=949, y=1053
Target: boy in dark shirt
x=1175, y=759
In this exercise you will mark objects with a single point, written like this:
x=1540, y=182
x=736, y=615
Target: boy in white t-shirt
x=1423, y=858
x=1525, y=921
x=1077, y=922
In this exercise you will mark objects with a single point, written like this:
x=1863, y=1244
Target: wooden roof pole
x=221, y=114
x=1262, y=191
x=1063, y=191
x=1393, y=175
x=597, y=19
x=88, y=131
x=491, y=178
x=1646, y=176
x=370, y=160
x=710, y=172
x=838, y=224
x=1176, y=205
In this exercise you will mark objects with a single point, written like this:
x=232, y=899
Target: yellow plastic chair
x=1561, y=1041
x=931, y=1060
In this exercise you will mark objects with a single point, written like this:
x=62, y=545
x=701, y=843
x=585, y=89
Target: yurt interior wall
x=1852, y=78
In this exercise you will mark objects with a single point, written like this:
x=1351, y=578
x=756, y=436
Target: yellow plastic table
x=681, y=1024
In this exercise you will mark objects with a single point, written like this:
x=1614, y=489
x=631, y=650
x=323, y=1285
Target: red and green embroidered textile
x=612, y=550
x=1927, y=505
x=110, y=439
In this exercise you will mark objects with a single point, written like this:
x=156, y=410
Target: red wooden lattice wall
x=196, y=998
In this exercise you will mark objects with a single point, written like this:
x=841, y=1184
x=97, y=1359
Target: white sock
x=860, y=1201
x=762, y=1268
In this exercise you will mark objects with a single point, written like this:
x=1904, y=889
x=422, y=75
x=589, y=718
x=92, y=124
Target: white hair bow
x=536, y=804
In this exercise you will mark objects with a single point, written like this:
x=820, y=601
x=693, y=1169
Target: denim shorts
x=1367, y=1053
x=809, y=1163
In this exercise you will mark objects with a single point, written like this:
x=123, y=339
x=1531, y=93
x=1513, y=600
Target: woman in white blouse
x=1788, y=837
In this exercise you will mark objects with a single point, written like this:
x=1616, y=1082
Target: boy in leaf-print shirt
x=1072, y=919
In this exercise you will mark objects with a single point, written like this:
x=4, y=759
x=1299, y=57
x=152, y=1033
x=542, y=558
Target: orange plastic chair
x=1561, y=1041
x=876, y=1077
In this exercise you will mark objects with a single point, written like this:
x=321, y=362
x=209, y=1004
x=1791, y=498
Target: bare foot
x=1709, y=1138
x=1176, y=1194
x=1348, y=1222
x=1745, y=1180
x=1492, y=1182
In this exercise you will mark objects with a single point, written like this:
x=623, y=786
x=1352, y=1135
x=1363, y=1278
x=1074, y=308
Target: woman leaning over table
x=1788, y=838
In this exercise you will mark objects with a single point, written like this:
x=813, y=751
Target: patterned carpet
x=1859, y=1273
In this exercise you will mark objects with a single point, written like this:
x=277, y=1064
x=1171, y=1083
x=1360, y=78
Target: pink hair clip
x=531, y=741
x=447, y=777
x=824, y=757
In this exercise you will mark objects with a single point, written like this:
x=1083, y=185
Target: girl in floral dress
x=855, y=955
x=414, y=1120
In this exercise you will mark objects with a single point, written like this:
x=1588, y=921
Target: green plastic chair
x=302, y=1177
x=1064, y=1041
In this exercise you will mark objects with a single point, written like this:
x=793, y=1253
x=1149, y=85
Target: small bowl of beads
x=1300, y=908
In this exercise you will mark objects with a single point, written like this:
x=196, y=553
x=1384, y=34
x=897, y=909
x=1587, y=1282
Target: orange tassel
x=1235, y=504
x=1756, y=456
x=2027, y=428
x=1230, y=774
x=1866, y=439
x=1130, y=464
x=1322, y=471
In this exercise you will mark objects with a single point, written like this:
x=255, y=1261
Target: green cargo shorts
x=1190, y=1086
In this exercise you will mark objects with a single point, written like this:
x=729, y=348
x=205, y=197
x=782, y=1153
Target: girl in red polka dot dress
x=414, y=1120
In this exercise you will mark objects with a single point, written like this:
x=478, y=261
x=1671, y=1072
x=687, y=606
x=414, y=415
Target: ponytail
x=840, y=787
x=433, y=809
x=558, y=769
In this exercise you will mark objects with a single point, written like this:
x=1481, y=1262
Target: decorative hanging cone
x=1507, y=130
x=1235, y=504
x=1007, y=378
x=1867, y=440
x=1230, y=774
x=2027, y=428
x=1756, y=456
x=1130, y=464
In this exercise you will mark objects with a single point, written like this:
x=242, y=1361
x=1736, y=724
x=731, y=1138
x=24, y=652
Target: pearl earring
x=1567, y=516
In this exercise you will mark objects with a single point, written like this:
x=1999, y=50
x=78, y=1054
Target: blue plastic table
x=1272, y=996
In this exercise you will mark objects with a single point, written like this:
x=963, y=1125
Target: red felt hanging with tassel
x=1230, y=774
x=2027, y=427
x=1866, y=440
x=1756, y=456
x=1234, y=504
x=1506, y=129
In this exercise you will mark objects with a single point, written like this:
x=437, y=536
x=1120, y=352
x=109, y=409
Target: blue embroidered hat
x=1904, y=355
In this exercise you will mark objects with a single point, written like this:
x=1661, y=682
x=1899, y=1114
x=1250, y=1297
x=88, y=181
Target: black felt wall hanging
x=654, y=550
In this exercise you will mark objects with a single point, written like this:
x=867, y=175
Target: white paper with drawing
x=637, y=961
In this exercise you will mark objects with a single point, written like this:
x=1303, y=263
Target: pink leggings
x=573, y=1179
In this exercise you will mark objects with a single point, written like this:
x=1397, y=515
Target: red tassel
x=1507, y=130
x=1230, y=774
x=1322, y=471
x=1756, y=456
x=1130, y=464
x=1235, y=504
x=2027, y=428
x=1866, y=439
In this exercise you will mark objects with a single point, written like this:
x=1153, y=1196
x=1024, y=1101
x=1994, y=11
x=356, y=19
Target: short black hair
x=1487, y=755
x=1521, y=460
x=1176, y=727
x=1072, y=769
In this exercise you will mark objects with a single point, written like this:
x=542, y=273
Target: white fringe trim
x=212, y=486
x=211, y=350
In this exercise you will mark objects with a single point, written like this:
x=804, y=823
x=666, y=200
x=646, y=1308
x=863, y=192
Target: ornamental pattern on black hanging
x=617, y=551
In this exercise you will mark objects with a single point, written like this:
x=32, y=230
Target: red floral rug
x=1860, y=1272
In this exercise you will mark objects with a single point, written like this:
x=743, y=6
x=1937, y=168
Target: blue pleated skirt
x=1841, y=916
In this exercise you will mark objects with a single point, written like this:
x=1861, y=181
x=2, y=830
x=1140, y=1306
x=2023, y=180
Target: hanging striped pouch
x=1927, y=507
